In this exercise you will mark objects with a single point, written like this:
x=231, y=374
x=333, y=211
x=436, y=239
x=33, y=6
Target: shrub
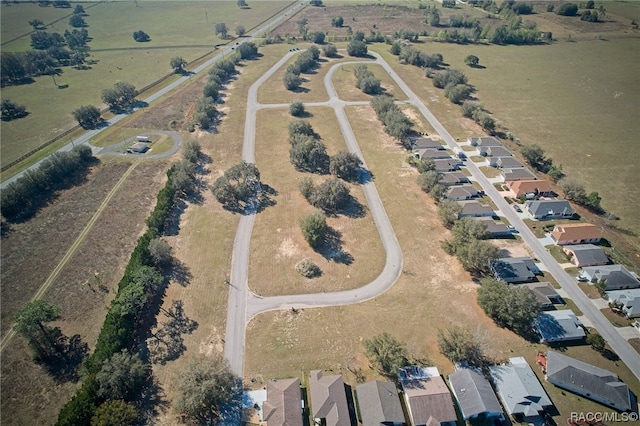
x=314, y=229
x=357, y=48
x=296, y=108
x=308, y=269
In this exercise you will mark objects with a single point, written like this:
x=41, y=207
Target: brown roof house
x=428, y=399
x=530, y=188
x=283, y=405
x=380, y=404
x=328, y=399
x=576, y=233
x=586, y=255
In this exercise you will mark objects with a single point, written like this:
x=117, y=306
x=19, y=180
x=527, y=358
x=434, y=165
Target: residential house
x=548, y=209
x=427, y=397
x=530, y=188
x=506, y=163
x=616, y=277
x=575, y=233
x=460, y=192
x=380, y=404
x=521, y=393
x=628, y=301
x=474, y=395
x=328, y=399
x=434, y=154
x=558, y=326
x=426, y=143
x=484, y=141
x=446, y=165
x=546, y=295
x=475, y=209
x=586, y=255
x=514, y=269
x=494, y=228
x=587, y=380
x=511, y=175
x=452, y=178
x=494, y=151
x=283, y=406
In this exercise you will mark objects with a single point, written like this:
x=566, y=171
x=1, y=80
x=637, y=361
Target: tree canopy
x=345, y=165
x=386, y=354
x=514, y=307
x=314, y=228
x=122, y=376
x=460, y=344
x=238, y=186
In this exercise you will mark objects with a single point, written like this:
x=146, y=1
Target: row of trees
x=396, y=123
x=366, y=81
x=412, y=56
x=475, y=111
x=304, y=63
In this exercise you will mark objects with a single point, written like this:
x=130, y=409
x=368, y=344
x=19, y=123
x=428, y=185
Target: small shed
x=139, y=148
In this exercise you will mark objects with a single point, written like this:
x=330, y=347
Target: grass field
x=345, y=84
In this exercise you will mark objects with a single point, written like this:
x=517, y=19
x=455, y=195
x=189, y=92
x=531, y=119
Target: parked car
x=517, y=208
x=581, y=279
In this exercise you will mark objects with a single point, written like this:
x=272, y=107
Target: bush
x=471, y=60
x=291, y=80
x=345, y=165
x=296, y=108
x=567, y=9
x=140, y=36
x=357, y=48
x=317, y=37
x=314, y=229
x=11, y=110
x=308, y=269
x=330, y=50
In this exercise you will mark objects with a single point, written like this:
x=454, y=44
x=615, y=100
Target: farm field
x=175, y=28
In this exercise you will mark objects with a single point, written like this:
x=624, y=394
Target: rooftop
x=473, y=393
x=379, y=403
x=587, y=254
x=556, y=326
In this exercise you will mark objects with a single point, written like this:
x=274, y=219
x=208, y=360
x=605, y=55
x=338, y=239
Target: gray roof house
x=484, y=141
x=380, y=404
x=519, y=389
x=434, y=154
x=588, y=380
x=328, y=399
x=517, y=174
x=494, y=151
x=475, y=209
x=514, y=269
x=452, y=178
x=546, y=295
x=426, y=143
x=446, y=165
x=495, y=229
x=474, y=395
x=283, y=405
x=629, y=299
x=616, y=277
x=507, y=163
x=548, y=209
x=460, y=192
x=558, y=326
x=586, y=255
x=428, y=399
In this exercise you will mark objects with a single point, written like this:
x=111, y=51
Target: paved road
x=84, y=139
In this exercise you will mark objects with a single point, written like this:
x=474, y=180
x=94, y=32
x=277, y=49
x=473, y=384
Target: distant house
x=558, y=326
x=461, y=192
x=434, y=154
x=426, y=143
x=328, y=399
x=576, y=233
x=616, y=277
x=510, y=175
x=586, y=255
x=283, y=406
x=506, y=163
x=546, y=295
x=427, y=396
x=474, y=395
x=494, y=151
x=549, y=209
x=514, y=269
x=530, y=188
x=380, y=404
x=139, y=148
x=452, y=178
x=495, y=229
x=446, y=165
x=484, y=141
x=628, y=300
x=475, y=209
x=521, y=393
x=588, y=380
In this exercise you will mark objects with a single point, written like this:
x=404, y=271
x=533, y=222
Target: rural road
x=244, y=305
x=87, y=136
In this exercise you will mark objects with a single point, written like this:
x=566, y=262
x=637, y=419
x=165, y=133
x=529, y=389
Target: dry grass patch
x=590, y=290
x=277, y=242
x=345, y=83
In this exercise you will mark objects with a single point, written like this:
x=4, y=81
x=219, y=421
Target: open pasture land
x=345, y=84
x=175, y=28
x=277, y=242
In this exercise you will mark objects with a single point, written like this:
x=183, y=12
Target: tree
x=120, y=97
x=472, y=60
x=445, y=77
x=178, y=63
x=357, y=48
x=87, y=116
x=37, y=24
x=160, y=251
x=345, y=165
x=300, y=127
x=204, y=387
x=513, y=307
x=115, y=413
x=596, y=341
x=428, y=180
x=314, y=228
x=573, y=190
x=315, y=2
x=457, y=93
x=140, y=36
x=309, y=154
x=370, y=85
x=77, y=21
x=386, y=354
x=589, y=16
x=330, y=195
x=534, y=154
x=395, y=49
x=79, y=10
x=459, y=344
x=296, y=108
x=211, y=90
x=205, y=112
x=302, y=26
x=555, y=172
x=308, y=269
x=476, y=255
x=122, y=376
x=567, y=9
x=291, y=81
x=317, y=37
x=330, y=50
x=247, y=50
x=10, y=110
x=592, y=201
x=30, y=321
x=337, y=21
x=240, y=30
x=221, y=28
x=238, y=185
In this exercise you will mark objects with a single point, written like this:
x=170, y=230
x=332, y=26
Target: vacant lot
x=345, y=84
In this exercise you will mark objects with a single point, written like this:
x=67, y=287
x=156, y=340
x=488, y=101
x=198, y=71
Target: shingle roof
x=513, y=269
x=508, y=162
x=422, y=143
x=555, y=326
x=528, y=186
x=282, y=407
x=493, y=227
x=484, y=141
x=519, y=388
x=614, y=275
x=379, y=403
x=428, y=397
x=452, y=178
x=328, y=399
x=446, y=165
x=461, y=191
x=542, y=208
x=544, y=292
x=517, y=174
x=587, y=380
x=474, y=393
x=587, y=254
x=576, y=232
x=474, y=208
x=432, y=153
x=494, y=151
